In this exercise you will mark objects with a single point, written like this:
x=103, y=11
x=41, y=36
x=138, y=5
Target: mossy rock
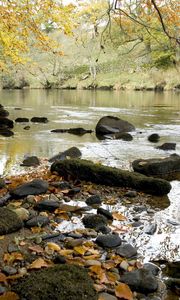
x=62, y=282
x=9, y=221
x=89, y=171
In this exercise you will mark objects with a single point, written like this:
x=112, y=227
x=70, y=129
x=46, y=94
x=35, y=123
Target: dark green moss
x=89, y=171
x=9, y=221
x=62, y=282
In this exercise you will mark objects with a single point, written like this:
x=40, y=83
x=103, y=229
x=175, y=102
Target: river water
x=149, y=112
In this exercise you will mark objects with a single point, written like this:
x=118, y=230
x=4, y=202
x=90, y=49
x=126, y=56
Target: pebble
x=105, y=213
x=150, y=228
x=131, y=194
x=9, y=270
x=92, y=200
x=37, y=221
x=22, y=213
x=108, y=240
x=126, y=250
x=124, y=265
x=22, y=271
x=2, y=289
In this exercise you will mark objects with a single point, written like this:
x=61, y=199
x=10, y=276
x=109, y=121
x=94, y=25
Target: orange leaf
x=2, y=277
x=10, y=258
x=9, y=296
x=36, y=249
x=38, y=264
x=118, y=216
x=123, y=291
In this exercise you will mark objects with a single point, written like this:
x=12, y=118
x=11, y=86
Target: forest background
x=130, y=44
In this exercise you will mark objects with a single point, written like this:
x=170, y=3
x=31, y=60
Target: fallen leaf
x=14, y=277
x=122, y=290
x=2, y=237
x=36, y=229
x=81, y=249
x=9, y=296
x=67, y=208
x=100, y=288
x=76, y=261
x=38, y=264
x=108, y=265
x=53, y=246
x=11, y=257
x=3, y=278
x=118, y=216
x=36, y=248
x=66, y=252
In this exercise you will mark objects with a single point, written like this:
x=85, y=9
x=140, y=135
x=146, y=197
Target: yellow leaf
x=53, y=246
x=1, y=237
x=80, y=249
x=118, y=216
x=38, y=264
x=122, y=290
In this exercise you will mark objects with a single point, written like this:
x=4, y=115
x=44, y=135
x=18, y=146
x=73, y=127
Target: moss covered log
x=89, y=171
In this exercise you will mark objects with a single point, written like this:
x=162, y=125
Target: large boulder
x=65, y=282
x=89, y=171
x=112, y=125
x=166, y=168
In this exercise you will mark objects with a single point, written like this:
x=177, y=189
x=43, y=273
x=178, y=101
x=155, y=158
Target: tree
x=27, y=23
x=153, y=22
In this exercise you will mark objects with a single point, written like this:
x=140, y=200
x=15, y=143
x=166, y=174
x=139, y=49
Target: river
x=149, y=112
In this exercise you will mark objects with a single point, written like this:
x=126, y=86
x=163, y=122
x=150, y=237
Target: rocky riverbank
x=53, y=225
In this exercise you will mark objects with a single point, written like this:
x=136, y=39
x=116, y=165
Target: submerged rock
x=154, y=138
x=9, y=221
x=39, y=120
x=21, y=120
x=89, y=171
x=166, y=168
x=34, y=187
x=77, y=131
x=140, y=280
x=123, y=136
x=167, y=146
x=6, y=132
x=110, y=124
x=63, y=282
x=30, y=161
x=72, y=152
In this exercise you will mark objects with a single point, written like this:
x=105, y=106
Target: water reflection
x=148, y=111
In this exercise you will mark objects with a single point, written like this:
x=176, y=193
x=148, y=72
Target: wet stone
x=9, y=221
x=31, y=161
x=93, y=221
x=140, y=280
x=152, y=268
x=126, y=250
x=136, y=224
x=37, y=221
x=92, y=200
x=59, y=259
x=12, y=248
x=105, y=213
x=2, y=289
x=150, y=229
x=35, y=187
x=63, y=185
x=47, y=205
x=130, y=194
x=108, y=240
x=103, y=229
x=9, y=270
